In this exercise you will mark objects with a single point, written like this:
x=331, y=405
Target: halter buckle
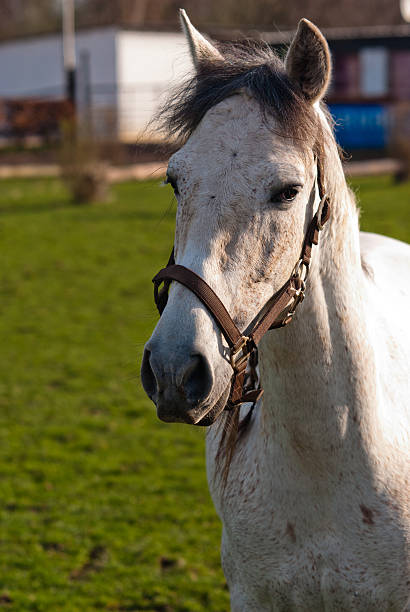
x=235, y=350
x=301, y=271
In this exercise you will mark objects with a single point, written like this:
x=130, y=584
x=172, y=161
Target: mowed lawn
x=102, y=506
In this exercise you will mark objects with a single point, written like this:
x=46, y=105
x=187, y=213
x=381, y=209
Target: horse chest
x=275, y=561
x=286, y=548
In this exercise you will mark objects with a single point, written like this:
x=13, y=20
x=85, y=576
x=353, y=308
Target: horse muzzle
x=181, y=388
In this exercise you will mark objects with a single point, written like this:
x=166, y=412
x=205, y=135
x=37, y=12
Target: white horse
x=315, y=505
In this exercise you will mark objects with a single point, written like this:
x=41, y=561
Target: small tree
x=400, y=140
x=82, y=166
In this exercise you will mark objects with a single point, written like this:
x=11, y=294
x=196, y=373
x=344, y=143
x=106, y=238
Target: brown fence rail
x=22, y=117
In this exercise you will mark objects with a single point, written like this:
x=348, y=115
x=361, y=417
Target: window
x=374, y=77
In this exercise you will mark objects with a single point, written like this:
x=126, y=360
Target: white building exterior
x=121, y=74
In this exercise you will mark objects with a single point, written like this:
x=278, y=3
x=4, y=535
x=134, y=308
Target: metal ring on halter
x=319, y=212
x=298, y=270
x=302, y=288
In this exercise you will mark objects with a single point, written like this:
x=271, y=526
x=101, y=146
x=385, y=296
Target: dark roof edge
x=341, y=33
x=276, y=38
x=26, y=36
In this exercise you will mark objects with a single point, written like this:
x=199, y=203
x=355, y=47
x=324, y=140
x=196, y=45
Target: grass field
x=102, y=506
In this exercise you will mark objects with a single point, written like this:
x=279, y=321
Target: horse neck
x=316, y=372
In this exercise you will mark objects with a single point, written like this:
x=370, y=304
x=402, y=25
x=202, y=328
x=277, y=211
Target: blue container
x=361, y=126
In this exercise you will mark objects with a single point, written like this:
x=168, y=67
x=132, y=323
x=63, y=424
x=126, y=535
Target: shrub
x=400, y=140
x=83, y=168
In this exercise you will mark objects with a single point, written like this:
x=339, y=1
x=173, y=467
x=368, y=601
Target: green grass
x=103, y=507
x=385, y=207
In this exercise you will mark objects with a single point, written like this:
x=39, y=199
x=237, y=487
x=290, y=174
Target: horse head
x=246, y=184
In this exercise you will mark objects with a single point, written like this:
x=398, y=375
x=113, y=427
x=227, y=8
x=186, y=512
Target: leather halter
x=277, y=312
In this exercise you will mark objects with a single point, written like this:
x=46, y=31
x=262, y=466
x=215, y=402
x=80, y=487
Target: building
x=121, y=74
x=371, y=84
x=370, y=81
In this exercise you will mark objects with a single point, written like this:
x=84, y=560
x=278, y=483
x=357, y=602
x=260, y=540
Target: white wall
x=121, y=75
x=148, y=63
x=30, y=68
x=34, y=68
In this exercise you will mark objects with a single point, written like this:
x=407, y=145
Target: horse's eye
x=286, y=195
x=171, y=181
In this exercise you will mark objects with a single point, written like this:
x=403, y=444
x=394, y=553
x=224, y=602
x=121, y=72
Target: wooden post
x=69, y=49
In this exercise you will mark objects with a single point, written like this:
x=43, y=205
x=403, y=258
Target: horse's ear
x=308, y=61
x=201, y=49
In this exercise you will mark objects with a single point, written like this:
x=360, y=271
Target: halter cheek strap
x=278, y=311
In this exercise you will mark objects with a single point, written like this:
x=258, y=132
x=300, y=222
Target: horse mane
x=250, y=66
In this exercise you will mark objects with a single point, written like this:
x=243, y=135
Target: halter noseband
x=277, y=312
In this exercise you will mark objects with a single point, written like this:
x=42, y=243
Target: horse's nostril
x=170, y=383
x=147, y=375
x=197, y=379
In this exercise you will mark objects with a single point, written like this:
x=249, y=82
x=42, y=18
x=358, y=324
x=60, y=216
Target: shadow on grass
x=106, y=212
x=37, y=207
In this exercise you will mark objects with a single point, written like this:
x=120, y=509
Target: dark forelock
x=246, y=65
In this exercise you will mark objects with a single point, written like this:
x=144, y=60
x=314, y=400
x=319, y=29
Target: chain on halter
x=278, y=312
